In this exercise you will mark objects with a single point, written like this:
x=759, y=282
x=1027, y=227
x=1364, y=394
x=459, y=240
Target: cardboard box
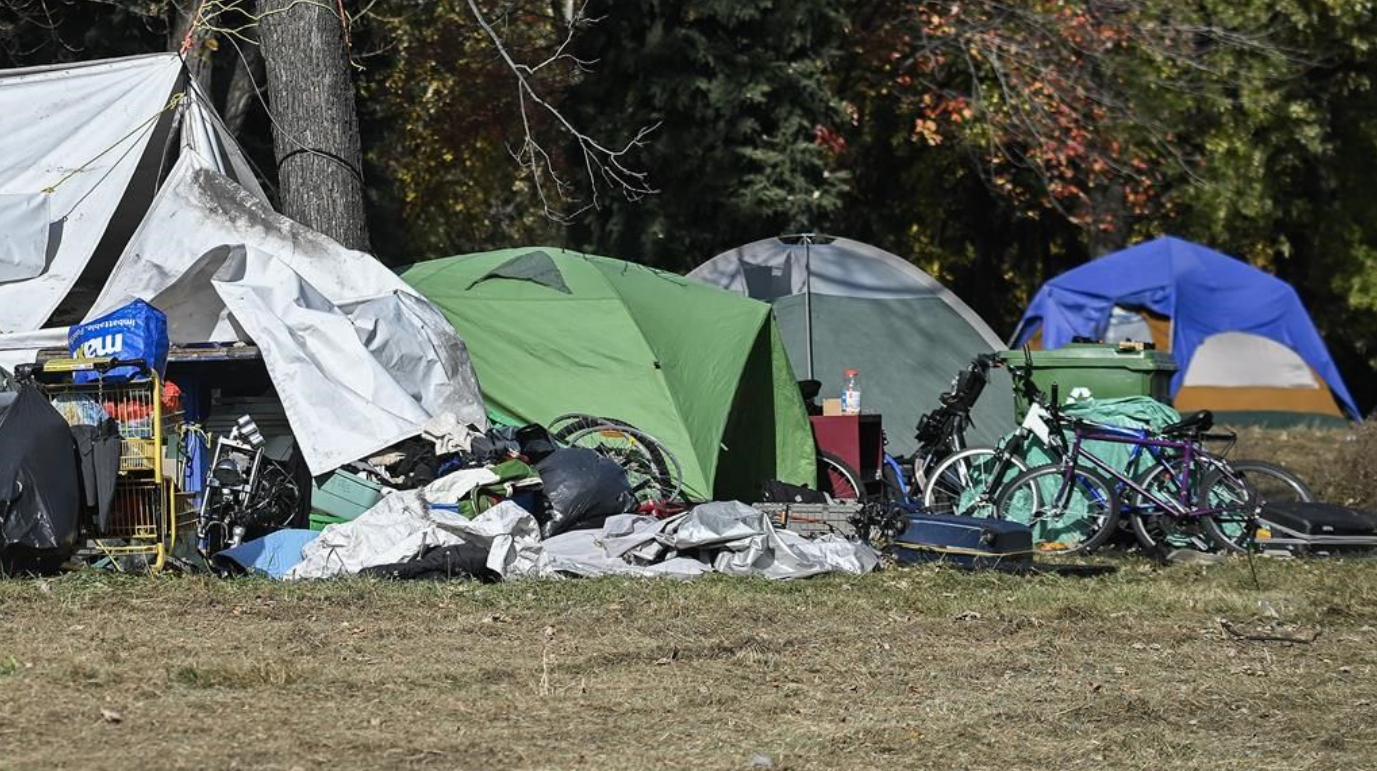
x=831, y=406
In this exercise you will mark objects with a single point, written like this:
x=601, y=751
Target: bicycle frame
x=1189, y=453
x=905, y=490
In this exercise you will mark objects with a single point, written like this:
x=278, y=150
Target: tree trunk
x=240, y=97
x=1110, y=219
x=315, y=127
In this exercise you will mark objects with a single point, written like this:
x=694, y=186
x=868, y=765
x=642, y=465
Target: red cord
x=191, y=29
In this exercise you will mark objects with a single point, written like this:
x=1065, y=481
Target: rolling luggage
x=964, y=541
x=1315, y=527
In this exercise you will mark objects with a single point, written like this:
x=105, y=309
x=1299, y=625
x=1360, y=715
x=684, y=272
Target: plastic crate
x=1095, y=370
x=344, y=495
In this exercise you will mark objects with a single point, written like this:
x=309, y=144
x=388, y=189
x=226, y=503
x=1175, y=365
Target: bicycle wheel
x=565, y=426
x=651, y=469
x=1074, y=514
x=837, y=479
x=1159, y=531
x=963, y=482
x=1273, y=483
x=1234, y=526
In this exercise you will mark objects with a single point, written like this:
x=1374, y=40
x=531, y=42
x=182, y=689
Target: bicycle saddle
x=1195, y=423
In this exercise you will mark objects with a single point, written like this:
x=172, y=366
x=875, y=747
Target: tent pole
x=808, y=299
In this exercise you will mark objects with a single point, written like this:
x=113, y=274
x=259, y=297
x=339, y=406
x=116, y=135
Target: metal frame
x=1189, y=452
x=143, y=521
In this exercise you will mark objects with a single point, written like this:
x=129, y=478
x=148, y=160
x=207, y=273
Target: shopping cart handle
x=87, y=365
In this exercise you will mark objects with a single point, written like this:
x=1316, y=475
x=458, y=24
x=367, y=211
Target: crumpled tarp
x=344, y=399
x=728, y=537
x=272, y=555
x=404, y=525
x=340, y=333
x=724, y=537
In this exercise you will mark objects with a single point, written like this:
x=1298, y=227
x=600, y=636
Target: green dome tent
x=842, y=304
x=552, y=331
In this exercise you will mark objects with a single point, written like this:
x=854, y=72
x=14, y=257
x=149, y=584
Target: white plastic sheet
x=402, y=527
x=24, y=224
x=342, y=402
x=199, y=209
x=76, y=134
x=359, y=360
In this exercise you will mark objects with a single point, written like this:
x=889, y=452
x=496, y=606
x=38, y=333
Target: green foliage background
x=776, y=116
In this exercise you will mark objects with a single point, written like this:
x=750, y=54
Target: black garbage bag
x=497, y=445
x=536, y=442
x=441, y=563
x=40, y=491
x=582, y=487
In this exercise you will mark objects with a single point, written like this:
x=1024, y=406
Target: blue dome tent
x=1244, y=341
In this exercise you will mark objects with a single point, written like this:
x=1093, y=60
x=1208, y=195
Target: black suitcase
x=964, y=541
x=1296, y=526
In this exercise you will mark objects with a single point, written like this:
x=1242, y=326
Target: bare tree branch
x=604, y=166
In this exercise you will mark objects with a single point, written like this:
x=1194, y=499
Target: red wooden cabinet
x=858, y=440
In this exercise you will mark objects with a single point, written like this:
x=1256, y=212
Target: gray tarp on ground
x=726, y=537
x=730, y=538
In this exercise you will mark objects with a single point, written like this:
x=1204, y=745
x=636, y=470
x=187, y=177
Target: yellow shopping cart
x=142, y=522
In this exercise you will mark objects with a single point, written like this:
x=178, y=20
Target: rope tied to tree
x=191, y=28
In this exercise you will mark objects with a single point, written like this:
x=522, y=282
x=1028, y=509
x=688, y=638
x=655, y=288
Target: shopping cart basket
x=142, y=521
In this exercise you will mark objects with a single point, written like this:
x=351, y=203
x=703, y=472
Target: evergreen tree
x=747, y=120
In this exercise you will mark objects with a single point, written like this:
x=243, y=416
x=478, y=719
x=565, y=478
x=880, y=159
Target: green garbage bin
x=1095, y=370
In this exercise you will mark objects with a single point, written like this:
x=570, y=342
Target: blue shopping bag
x=133, y=331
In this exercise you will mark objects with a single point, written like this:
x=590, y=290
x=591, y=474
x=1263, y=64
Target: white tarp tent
x=83, y=138
x=359, y=360
x=24, y=223
x=198, y=209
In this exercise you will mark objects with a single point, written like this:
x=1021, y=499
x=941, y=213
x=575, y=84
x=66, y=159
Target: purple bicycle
x=1185, y=498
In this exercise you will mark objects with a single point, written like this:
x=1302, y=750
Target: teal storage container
x=1094, y=370
x=344, y=495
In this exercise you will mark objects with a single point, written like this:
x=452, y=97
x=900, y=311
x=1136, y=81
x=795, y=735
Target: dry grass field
x=1339, y=464
x=1150, y=668
x=908, y=668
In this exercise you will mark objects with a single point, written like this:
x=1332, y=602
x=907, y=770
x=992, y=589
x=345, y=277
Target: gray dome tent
x=842, y=304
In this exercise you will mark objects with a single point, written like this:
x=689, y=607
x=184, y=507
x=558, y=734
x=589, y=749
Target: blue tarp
x=1204, y=293
x=272, y=555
